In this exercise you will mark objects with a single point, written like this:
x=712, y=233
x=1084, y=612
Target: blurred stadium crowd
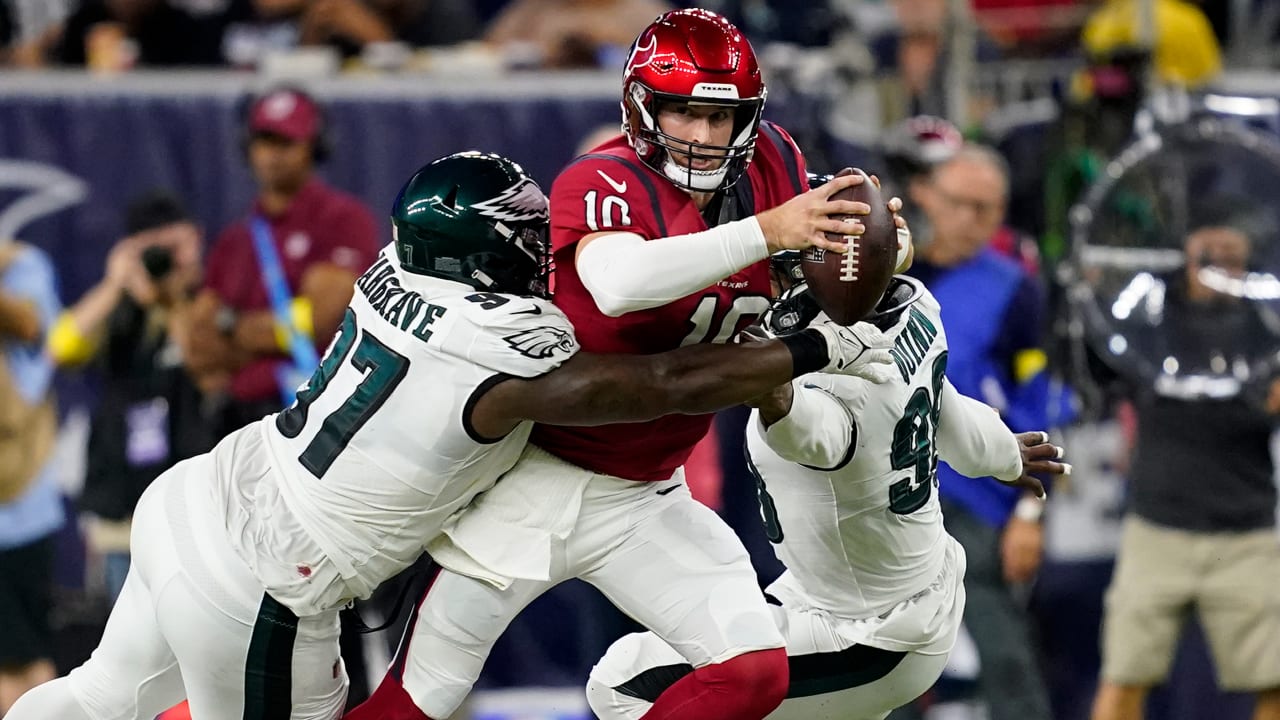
x=119, y=370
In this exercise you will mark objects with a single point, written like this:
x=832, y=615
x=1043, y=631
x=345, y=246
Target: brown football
x=847, y=286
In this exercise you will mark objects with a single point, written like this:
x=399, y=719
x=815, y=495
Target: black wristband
x=809, y=351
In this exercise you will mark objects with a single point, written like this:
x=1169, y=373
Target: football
x=847, y=286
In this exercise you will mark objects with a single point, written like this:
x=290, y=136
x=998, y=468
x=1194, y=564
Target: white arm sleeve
x=624, y=272
x=974, y=440
x=819, y=431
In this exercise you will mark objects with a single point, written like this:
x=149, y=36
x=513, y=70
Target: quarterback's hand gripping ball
x=848, y=285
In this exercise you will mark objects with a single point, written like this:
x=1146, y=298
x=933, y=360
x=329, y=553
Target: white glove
x=860, y=350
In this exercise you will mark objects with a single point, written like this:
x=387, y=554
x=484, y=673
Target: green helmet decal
x=475, y=218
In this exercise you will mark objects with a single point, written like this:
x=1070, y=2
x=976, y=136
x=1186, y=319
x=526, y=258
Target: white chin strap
x=701, y=180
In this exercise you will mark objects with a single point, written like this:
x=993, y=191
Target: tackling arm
x=594, y=389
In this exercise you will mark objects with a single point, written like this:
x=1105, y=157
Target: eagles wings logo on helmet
x=541, y=342
x=518, y=203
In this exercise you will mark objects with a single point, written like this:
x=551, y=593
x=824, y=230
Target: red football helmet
x=696, y=57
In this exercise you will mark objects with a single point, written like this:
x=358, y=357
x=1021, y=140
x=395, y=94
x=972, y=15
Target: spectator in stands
x=320, y=237
x=810, y=24
x=30, y=502
x=350, y=25
x=1200, y=532
x=908, y=153
x=993, y=311
x=29, y=29
x=255, y=28
x=1032, y=28
x=916, y=54
x=150, y=415
x=119, y=34
x=8, y=35
x=571, y=33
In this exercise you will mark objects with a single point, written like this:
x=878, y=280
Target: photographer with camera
x=1199, y=532
x=150, y=414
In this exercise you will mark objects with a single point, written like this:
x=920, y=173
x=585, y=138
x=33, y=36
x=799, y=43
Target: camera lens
x=158, y=261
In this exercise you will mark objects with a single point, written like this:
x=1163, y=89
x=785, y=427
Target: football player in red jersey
x=661, y=238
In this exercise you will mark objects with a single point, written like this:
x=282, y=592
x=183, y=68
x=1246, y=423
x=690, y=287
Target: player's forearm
x=974, y=440
x=775, y=405
x=603, y=389
x=707, y=378
x=624, y=272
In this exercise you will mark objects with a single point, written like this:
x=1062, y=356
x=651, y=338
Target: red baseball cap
x=288, y=113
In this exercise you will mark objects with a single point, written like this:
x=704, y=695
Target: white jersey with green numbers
x=864, y=531
x=343, y=489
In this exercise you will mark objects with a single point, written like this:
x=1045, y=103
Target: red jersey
x=610, y=189
x=321, y=225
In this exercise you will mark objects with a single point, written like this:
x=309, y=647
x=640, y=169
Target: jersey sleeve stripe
x=470, y=406
x=788, y=152
x=853, y=435
x=639, y=173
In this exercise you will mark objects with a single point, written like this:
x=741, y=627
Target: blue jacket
x=38, y=511
x=992, y=311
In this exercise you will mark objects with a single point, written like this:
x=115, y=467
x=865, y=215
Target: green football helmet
x=475, y=218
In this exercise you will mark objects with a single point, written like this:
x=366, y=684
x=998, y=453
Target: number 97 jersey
x=851, y=501
x=344, y=488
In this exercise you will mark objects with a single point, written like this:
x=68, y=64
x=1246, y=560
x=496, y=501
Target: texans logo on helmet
x=521, y=202
x=541, y=342
x=641, y=56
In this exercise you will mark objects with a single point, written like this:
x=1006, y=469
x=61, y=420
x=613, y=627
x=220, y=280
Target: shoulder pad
x=602, y=192
x=520, y=336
